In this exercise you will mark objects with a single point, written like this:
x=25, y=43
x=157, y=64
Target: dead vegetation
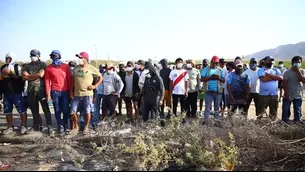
x=229, y=144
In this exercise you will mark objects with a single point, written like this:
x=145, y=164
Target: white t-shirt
x=179, y=89
x=226, y=82
x=254, y=87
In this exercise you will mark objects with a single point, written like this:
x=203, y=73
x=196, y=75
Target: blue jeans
x=297, y=104
x=97, y=106
x=60, y=101
x=9, y=100
x=209, y=98
x=82, y=115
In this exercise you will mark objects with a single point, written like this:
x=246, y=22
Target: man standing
x=58, y=81
x=254, y=88
x=122, y=74
x=193, y=88
x=238, y=88
x=99, y=95
x=268, y=95
x=131, y=90
x=203, y=87
x=230, y=69
x=222, y=64
x=12, y=88
x=34, y=73
x=283, y=70
x=82, y=90
x=214, y=77
x=140, y=68
x=113, y=86
x=153, y=93
x=164, y=73
x=179, y=83
x=143, y=73
x=293, y=89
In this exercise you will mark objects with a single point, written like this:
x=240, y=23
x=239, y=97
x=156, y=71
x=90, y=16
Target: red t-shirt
x=57, y=78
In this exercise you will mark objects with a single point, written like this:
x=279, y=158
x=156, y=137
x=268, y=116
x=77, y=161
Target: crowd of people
x=85, y=95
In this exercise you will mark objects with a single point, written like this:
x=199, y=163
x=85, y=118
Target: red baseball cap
x=215, y=59
x=83, y=55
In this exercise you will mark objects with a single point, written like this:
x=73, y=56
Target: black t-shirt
x=164, y=73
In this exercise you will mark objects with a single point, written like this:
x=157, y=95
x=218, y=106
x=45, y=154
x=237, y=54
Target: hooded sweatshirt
x=164, y=73
x=12, y=83
x=153, y=89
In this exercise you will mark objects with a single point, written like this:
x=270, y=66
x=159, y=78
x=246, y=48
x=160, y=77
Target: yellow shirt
x=83, y=77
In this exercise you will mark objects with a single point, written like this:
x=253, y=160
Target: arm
x=121, y=85
x=274, y=77
x=221, y=78
x=204, y=77
x=285, y=87
x=162, y=90
x=71, y=90
x=262, y=76
x=47, y=82
x=198, y=82
x=300, y=76
x=68, y=72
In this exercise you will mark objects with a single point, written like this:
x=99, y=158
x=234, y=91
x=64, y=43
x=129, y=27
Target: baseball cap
x=237, y=58
x=55, y=52
x=109, y=65
x=253, y=60
x=205, y=61
x=215, y=59
x=238, y=63
x=72, y=63
x=222, y=60
x=11, y=55
x=269, y=58
x=34, y=52
x=83, y=55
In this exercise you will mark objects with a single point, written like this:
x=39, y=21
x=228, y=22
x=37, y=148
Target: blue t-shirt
x=268, y=88
x=238, y=83
x=212, y=84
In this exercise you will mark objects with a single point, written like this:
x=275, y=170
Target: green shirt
x=34, y=68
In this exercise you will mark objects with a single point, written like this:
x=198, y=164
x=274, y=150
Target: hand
x=160, y=102
x=71, y=95
x=142, y=100
x=286, y=97
x=91, y=87
x=26, y=74
x=114, y=94
x=296, y=69
x=186, y=94
x=41, y=73
x=48, y=98
x=94, y=99
x=5, y=71
x=136, y=95
x=232, y=100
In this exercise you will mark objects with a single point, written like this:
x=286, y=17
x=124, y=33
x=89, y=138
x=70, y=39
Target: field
x=233, y=144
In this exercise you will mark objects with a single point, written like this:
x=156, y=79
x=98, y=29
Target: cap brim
x=77, y=55
x=215, y=61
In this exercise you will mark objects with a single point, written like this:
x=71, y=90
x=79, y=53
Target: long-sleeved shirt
x=57, y=78
x=153, y=89
x=112, y=83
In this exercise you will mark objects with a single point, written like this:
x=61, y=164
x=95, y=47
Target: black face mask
x=238, y=70
x=268, y=65
x=228, y=68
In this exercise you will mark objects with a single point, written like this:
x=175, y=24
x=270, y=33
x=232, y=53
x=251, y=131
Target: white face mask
x=137, y=66
x=71, y=68
x=189, y=66
x=281, y=65
x=128, y=69
x=179, y=65
x=34, y=58
x=80, y=62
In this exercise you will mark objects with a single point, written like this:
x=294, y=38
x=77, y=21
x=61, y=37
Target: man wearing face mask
x=203, y=87
x=140, y=67
x=283, y=70
x=34, y=73
x=113, y=86
x=238, y=88
x=179, y=85
x=143, y=73
x=164, y=73
x=58, y=81
x=230, y=68
x=222, y=64
x=254, y=88
x=12, y=88
x=153, y=93
x=122, y=74
x=193, y=88
x=82, y=90
x=268, y=91
x=293, y=90
x=214, y=77
x=131, y=90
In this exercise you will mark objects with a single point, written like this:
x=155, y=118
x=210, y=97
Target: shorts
x=167, y=98
x=109, y=103
x=129, y=99
x=10, y=100
x=84, y=102
x=201, y=96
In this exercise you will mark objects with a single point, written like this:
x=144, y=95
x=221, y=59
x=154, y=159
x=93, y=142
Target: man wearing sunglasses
x=81, y=91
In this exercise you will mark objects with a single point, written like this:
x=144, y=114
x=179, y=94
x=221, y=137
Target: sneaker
x=23, y=130
x=61, y=130
x=50, y=131
x=8, y=130
x=30, y=130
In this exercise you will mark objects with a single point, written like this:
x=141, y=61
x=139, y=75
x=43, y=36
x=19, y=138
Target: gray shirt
x=294, y=86
x=112, y=83
x=194, y=80
x=129, y=85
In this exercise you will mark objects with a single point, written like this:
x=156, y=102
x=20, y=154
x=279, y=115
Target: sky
x=142, y=29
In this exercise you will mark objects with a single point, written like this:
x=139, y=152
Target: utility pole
x=95, y=55
x=108, y=56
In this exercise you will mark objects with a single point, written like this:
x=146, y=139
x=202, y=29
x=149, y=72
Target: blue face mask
x=56, y=62
x=102, y=70
x=298, y=65
x=253, y=66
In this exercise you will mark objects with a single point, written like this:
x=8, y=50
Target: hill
x=282, y=52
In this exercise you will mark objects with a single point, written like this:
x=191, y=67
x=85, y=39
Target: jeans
x=81, y=101
x=297, y=104
x=191, y=104
x=82, y=115
x=60, y=101
x=209, y=98
x=175, y=103
x=34, y=98
x=10, y=100
x=149, y=108
x=97, y=105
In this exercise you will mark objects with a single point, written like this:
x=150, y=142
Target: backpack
x=219, y=84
